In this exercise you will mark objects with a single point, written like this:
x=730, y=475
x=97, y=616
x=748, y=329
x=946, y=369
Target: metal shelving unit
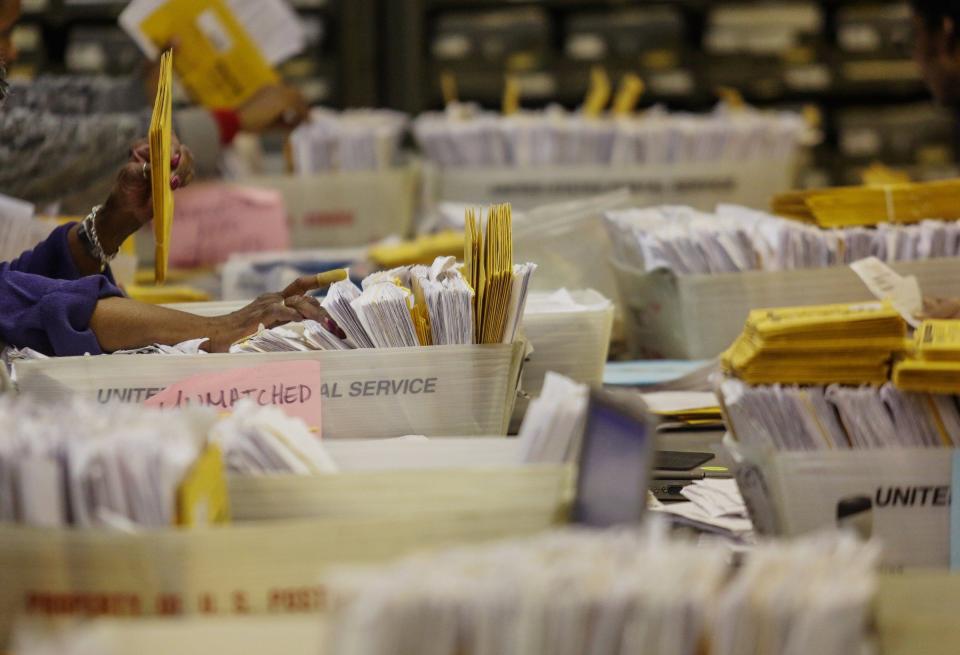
x=817, y=71
x=338, y=70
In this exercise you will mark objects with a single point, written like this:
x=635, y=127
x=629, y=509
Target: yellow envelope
x=217, y=60
x=161, y=131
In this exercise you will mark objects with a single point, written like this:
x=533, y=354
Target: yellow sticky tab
x=161, y=145
x=202, y=498
x=217, y=60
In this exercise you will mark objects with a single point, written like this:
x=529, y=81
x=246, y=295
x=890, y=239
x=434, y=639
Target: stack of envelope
x=685, y=409
x=732, y=239
x=88, y=465
x=599, y=593
x=161, y=145
x=893, y=203
x=836, y=417
x=847, y=344
x=465, y=136
x=934, y=362
x=358, y=139
x=84, y=464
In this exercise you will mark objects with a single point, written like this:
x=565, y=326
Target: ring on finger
x=145, y=170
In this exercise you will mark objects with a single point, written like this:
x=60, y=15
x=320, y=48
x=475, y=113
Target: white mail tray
x=574, y=343
x=350, y=208
x=436, y=390
x=900, y=496
x=700, y=185
x=262, y=567
x=699, y=316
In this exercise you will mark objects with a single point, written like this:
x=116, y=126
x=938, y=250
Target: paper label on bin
x=294, y=387
x=885, y=283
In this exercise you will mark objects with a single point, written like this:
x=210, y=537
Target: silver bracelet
x=89, y=229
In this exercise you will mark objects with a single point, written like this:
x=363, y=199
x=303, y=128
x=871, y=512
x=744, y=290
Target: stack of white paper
x=264, y=440
x=715, y=506
x=552, y=430
x=449, y=301
x=518, y=300
x=87, y=465
x=351, y=140
x=384, y=311
x=293, y=337
x=609, y=592
x=191, y=347
x=791, y=418
x=464, y=136
x=734, y=239
x=403, y=307
x=338, y=304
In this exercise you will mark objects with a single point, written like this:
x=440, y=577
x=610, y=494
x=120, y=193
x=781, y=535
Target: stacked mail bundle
x=849, y=344
x=609, y=592
x=836, y=417
x=353, y=140
x=933, y=363
x=734, y=239
x=479, y=302
x=87, y=465
x=84, y=464
x=903, y=202
x=464, y=136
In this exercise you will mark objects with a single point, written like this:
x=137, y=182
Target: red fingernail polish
x=175, y=182
x=176, y=160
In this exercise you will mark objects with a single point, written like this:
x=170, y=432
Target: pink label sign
x=294, y=387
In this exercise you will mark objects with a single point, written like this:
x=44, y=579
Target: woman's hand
x=269, y=310
x=130, y=205
x=276, y=106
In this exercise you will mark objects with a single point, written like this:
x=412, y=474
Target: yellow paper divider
x=161, y=131
x=731, y=97
x=448, y=87
x=217, y=60
x=203, y=498
x=511, y=95
x=420, y=314
x=598, y=95
x=629, y=92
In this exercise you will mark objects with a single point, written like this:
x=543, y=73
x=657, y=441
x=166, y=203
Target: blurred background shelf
x=82, y=37
x=851, y=60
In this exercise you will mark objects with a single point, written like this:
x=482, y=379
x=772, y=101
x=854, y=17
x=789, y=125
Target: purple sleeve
x=52, y=258
x=49, y=315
